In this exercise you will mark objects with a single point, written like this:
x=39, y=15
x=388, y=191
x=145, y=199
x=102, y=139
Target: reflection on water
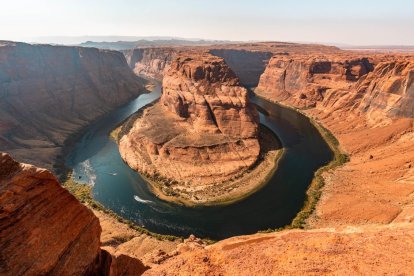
x=97, y=161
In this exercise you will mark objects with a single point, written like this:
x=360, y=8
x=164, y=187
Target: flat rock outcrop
x=43, y=228
x=365, y=250
x=202, y=132
x=48, y=93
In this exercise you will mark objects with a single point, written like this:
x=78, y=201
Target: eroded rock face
x=303, y=81
x=389, y=89
x=50, y=92
x=203, y=130
x=43, y=228
x=204, y=90
x=150, y=62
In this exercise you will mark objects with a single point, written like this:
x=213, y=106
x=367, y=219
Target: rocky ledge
x=42, y=226
x=44, y=230
x=201, y=136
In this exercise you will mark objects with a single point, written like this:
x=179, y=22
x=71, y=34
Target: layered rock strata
x=389, y=89
x=303, y=81
x=150, y=62
x=43, y=228
x=374, y=123
x=203, y=131
x=50, y=92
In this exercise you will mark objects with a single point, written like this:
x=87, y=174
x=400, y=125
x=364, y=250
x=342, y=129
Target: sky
x=352, y=22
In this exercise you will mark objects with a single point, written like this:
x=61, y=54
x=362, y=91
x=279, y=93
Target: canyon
x=362, y=223
x=49, y=93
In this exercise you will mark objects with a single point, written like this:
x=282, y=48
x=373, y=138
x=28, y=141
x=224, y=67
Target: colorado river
x=95, y=158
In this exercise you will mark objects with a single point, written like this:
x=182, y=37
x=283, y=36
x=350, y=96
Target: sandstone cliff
x=50, y=92
x=303, y=80
x=43, y=228
x=150, y=62
x=203, y=130
x=247, y=60
x=389, y=89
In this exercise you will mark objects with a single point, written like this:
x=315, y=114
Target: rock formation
x=48, y=93
x=389, y=89
x=203, y=130
x=303, y=80
x=150, y=62
x=43, y=228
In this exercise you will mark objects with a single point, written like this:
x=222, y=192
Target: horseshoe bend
x=198, y=142
x=124, y=155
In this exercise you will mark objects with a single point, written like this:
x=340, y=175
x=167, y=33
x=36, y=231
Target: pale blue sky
x=362, y=22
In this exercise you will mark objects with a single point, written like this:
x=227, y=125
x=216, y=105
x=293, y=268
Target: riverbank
x=277, y=202
x=83, y=192
x=60, y=168
x=314, y=191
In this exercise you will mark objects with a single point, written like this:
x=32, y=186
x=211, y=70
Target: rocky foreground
x=44, y=230
x=365, y=250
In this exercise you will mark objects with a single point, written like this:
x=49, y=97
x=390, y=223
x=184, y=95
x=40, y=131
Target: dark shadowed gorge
x=49, y=93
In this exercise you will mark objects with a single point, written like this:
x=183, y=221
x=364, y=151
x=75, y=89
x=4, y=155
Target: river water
x=96, y=159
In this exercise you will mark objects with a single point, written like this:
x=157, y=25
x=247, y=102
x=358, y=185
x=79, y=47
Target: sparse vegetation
x=114, y=135
x=314, y=191
x=83, y=193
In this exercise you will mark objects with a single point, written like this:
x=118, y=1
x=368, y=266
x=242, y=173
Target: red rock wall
x=150, y=62
x=43, y=228
x=304, y=80
x=49, y=92
x=389, y=89
x=205, y=90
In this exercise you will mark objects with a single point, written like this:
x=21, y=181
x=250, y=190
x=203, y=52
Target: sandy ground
x=117, y=238
x=367, y=250
x=377, y=185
